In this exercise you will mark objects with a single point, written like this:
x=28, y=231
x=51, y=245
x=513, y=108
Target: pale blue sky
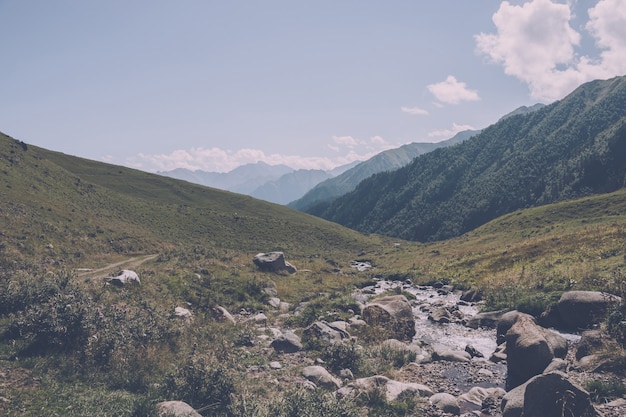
x=313, y=84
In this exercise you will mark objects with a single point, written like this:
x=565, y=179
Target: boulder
x=512, y=404
x=530, y=349
x=222, y=314
x=321, y=333
x=474, y=353
x=472, y=296
x=440, y=315
x=584, y=309
x=183, y=314
x=506, y=321
x=446, y=403
x=175, y=409
x=273, y=262
x=590, y=341
x=548, y=395
x=487, y=319
x=321, y=377
x=444, y=353
x=392, y=389
x=287, y=342
x=125, y=277
x=392, y=313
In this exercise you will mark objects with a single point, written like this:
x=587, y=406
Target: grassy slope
x=91, y=208
x=105, y=213
x=538, y=252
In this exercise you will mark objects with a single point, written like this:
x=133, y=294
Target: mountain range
x=568, y=149
x=385, y=161
x=302, y=188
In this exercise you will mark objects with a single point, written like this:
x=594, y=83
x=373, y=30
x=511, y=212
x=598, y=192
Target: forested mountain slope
x=571, y=148
x=385, y=161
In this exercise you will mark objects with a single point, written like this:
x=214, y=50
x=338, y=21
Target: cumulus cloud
x=221, y=160
x=345, y=141
x=535, y=43
x=416, y=111
x=452, y=91
x=444, y=134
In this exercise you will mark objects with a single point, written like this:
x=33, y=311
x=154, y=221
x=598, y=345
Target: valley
x=204, y=325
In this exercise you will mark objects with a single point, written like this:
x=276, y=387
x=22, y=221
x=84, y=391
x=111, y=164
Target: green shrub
x=317, y=403
x=203, y=382
x=340, y=356
x=397, y=357
x=601, y=391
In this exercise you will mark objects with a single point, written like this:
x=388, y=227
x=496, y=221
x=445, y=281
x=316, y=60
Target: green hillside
x=56, y=206
x=71, y=345
x=569, y=149
x=326, y=191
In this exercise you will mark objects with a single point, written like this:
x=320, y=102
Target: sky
x=211, y=85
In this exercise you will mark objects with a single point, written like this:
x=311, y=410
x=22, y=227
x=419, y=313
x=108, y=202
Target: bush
x=202, y=382
x=616, y=324
x=315, y=403
x=340, y=356
x=601, y=391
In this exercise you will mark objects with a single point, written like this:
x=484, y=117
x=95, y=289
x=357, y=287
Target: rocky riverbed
x=456, y=366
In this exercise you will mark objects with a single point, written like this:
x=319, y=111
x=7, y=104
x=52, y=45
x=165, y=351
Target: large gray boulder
x=548, y=395
x=273, y=262
x=125, y=277
x=488, y=319
x=506, y=321
x=287, y=342
x=446, y=403
x=530, y=349
x=175, y=409
x=321, y=333
x=321, y=377
x=391, y=388
x=393, y=314
x=584, y=309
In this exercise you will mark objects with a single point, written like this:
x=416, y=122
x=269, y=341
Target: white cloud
x=416, y=111
x=535, y=43
x=444, y=134
x=221, y=160
x=452, y=91
x=378, y=141
x=345, y=141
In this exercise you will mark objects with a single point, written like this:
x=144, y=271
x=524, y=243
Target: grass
x=119, y=351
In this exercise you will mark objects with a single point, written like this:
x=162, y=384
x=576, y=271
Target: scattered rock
x=321, y=333
x=446, y=403
x=393, y=313
x=287, y=342
x=444, y=353
x=175, y=409
x=183, y=314
x=590, y=341
x=222, y=314
x=474, y=353
x=392, y=389
x=487, y=319
x=321, y=377
x=275, y=365
x=548, y=395
x=273, y=262
x=530, y=348
x=584, y=309
x=472, y=296
x=440, y=315
x=125, y=277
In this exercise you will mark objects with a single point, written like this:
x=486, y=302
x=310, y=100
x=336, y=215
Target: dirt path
x=129, y=263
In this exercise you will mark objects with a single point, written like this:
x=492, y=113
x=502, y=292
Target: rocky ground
x=467, y=384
